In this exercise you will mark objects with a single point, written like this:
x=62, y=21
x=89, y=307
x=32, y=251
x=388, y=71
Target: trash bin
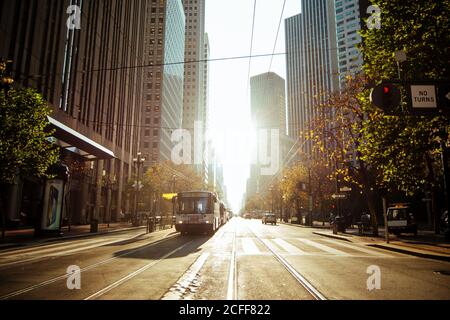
x=308, y=220
x=339, y=223
x=94, y=226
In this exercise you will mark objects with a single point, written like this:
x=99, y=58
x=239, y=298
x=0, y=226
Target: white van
x=401, y=219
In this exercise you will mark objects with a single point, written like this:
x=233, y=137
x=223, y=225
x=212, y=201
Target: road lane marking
x=300, y=279
x=63, y=277
x=187, y=279
x=249, y=247
x=323, y=247
x=288, y=247
x=65, y=243
x=358, y=248
x=82, y=246
x=232, y=273
x=135, y=273
x=29, y=251
x=58, y=254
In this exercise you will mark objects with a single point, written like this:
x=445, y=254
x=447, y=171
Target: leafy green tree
x=24, y=148
x=406, y=149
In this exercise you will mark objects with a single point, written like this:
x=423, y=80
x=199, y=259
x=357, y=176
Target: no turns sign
x=423, y=97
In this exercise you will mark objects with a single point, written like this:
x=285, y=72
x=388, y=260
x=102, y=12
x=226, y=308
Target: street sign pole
x=386, y=228
x=446, y=175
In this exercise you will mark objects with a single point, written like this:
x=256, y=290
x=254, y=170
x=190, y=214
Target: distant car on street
x=269, y=218
x=247, y=216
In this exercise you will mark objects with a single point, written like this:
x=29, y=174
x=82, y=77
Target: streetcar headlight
x=180, y=222
x=206, y=221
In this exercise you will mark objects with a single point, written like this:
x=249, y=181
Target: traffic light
x=386, y=96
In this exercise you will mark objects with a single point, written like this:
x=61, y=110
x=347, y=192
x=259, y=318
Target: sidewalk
x=426, y=244
x=25, y=237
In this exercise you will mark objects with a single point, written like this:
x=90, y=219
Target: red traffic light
x=386, y=96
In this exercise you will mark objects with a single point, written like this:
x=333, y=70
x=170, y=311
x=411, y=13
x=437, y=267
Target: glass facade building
x=173, y=75
x=311, y=62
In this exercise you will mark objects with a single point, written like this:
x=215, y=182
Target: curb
x=302, y=226
x=412, y=253
x=334, y=236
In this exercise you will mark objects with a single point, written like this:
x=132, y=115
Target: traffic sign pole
x=446, y=175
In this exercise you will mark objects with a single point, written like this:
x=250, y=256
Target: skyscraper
x=349, y=14
x=268, y=112
x=195, y=84
x=311, y=61
x=205, y=115
x=163, y=92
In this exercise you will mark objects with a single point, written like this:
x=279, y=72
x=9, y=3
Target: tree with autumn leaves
x=167, y=177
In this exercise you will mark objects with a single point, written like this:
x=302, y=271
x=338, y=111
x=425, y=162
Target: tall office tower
x=82, y=73
x=268, y=112
x=349, y=22
x=311, y=62
x=163, y=97
x=194, y=83
x=205, y=114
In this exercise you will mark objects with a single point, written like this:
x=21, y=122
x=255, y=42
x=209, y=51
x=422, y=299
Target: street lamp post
x=271, y=192
x=310, y=197
x=139, y=161
x=282, y=199
x=174, y=179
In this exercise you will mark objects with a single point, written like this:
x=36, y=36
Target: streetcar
x=197, y=211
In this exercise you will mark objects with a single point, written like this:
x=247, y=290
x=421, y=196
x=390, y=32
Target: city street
x=244, y=260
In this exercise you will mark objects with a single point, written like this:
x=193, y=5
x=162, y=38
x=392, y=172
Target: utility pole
x=139, y=161
x=386, y=228
x=446, y=176
x=310, y=197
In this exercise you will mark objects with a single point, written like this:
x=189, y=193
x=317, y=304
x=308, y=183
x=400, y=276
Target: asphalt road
x=244, y=260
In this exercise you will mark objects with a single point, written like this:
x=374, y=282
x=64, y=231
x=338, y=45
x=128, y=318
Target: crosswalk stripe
x=358, y=248
x=323, y=247
x=249, y=246
x=288, y=247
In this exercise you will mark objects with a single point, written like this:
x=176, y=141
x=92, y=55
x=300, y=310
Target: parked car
x=269, y=218
x=247, y=216
x=401, y=219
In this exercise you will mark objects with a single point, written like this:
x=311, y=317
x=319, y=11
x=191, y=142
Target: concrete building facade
x=196, y=82
x=97, y=81
x=164, y=79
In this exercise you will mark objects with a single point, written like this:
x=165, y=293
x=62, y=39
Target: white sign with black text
x=423, y=96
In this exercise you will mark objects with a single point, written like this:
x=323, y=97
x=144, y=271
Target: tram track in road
x=87, y=268
x=308, y=286
x=132, y=275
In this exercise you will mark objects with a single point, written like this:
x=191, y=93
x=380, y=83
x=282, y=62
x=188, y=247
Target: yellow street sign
x=169, y=196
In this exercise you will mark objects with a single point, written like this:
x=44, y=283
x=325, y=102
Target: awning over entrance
x=76, y=142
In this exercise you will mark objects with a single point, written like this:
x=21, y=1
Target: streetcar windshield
x=193, y=206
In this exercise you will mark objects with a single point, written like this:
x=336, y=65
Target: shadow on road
x=156, y=251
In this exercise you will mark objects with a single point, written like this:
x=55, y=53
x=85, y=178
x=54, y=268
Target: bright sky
x=229, y=25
